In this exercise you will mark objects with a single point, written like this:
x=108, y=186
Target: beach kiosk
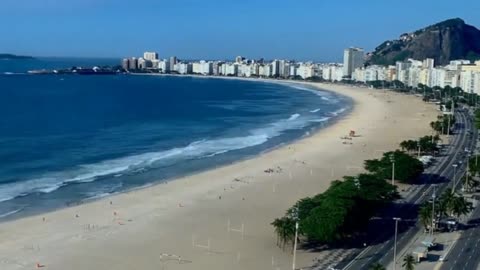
x=429, y=242
x=420, y=253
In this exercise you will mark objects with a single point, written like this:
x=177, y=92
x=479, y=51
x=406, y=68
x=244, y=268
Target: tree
x=340, y=212
x=477, y=118
x=409, y=145
x=409, y=262
x=376, y=266
x=407, y=168
x=460, y=206
x=285, y=230
x=454, y=205
x=469, y=183
x=425, y=214
x=474, y=165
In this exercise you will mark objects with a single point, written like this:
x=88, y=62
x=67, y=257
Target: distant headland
x=7, y=56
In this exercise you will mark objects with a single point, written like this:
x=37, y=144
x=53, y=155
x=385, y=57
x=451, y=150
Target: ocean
x=65, y=139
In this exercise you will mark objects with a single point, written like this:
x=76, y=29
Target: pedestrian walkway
x=444, y=242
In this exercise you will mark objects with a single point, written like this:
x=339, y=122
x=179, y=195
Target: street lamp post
x=418, y=144
x=295, y=245
x=395, y=244
x=454, y=177
x=433, y=210
x=392, y=159
x=468, y=170
x=448, y=128
x=295, y=217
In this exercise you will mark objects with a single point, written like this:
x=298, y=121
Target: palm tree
x=425, y=214
x=454, y=205
x=409, y=262
x=469, y=183
x=277, y=224
x=446, y=202
x=460, y=206
x=285, y=230
x=376, y=266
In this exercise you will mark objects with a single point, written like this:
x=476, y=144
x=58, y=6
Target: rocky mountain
x=448, y=40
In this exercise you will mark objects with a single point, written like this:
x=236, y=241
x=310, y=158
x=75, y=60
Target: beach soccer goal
x=240, y=230
x=195, y=244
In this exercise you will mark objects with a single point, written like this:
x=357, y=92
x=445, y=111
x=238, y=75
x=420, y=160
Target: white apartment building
x=150, y=56
x=202, y=67
x=265, y=70
x=305, y=71
x=184, y=68
x=197, y=68
x=469, y=78
x=332, y=72
x=231, y=69
x=413, y=78
x=292, y=70
x=155, y=63
x=402, y=71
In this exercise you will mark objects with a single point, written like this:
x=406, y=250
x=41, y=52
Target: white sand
x=163, y=218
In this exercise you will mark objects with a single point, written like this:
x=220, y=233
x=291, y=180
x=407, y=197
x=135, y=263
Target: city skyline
x=214, y=29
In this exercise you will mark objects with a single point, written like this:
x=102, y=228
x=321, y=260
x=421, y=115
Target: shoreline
x=165, y=217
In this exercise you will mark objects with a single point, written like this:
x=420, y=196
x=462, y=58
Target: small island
x=6, y=56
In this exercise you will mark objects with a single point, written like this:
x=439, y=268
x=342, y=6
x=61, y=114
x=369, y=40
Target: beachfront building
x=332, y=72
x=265, y=70
x=353, y=58
x=402, y=71
x=184, y=68
x=142, y=63
x=239, y=59
x=164, y=66
x=306, y=70
x=293, y=71
x=133, y=63
x=276, y=68
x=173, y=62
x=202, y=67
x=125, y=63
x=230, y=69
x=469, y=79
x=150, y=56
x=370, y=73
x=216, y=67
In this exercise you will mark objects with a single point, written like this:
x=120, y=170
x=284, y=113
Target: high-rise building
x=125, y=63
x=173, y=61
x=150, y=56
x=275, y=68
x=142, y=63
x=352, y=58
x=428, y=63
x=133, y=63
x=239, y=59
x=164, y=66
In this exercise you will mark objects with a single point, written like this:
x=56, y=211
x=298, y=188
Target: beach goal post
x=201, y=246
x=240, y=230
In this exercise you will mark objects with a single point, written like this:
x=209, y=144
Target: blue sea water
x=68, y=138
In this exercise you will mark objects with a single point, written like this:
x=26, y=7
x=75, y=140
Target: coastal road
x=383, y=251
x=465, y=254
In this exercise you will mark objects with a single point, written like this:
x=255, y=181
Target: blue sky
x=215, y=29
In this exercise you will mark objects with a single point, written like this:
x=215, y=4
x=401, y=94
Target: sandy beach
x=218, y=219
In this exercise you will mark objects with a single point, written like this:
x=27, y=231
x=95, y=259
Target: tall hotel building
x=352, y=58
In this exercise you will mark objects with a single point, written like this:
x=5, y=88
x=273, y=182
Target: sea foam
x=141, y=162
